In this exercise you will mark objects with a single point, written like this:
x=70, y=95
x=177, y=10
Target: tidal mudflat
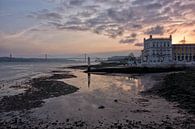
x=98, y=101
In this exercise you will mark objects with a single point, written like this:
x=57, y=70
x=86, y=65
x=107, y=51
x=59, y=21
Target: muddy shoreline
x=177, y=87
x=39, y=89
x=99, y=68
x=18, y=107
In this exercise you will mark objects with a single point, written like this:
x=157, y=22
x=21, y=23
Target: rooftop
x=151, y=38
x=188, y=44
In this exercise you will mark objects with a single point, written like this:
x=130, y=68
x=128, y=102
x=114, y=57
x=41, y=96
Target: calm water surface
x=120, y=95
x=16, y=73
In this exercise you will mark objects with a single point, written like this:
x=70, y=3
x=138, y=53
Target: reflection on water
x=116, y=93
x=89, y=79
x=119, y=95
x=89, y=82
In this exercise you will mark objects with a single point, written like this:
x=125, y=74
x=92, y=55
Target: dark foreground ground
x=178, y=87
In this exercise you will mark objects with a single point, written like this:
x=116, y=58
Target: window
x=179, y=58
x=190, y=58
x=186, y=57
x=182, y=57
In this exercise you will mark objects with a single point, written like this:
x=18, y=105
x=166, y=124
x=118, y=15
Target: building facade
x=183, y=53
x=157, y=51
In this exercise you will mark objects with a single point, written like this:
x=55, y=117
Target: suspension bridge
x=83, y=57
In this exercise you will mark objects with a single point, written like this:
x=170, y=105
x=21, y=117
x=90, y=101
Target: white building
x=157, y=51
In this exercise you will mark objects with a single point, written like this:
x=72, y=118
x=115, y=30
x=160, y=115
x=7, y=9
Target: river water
x=16, y=73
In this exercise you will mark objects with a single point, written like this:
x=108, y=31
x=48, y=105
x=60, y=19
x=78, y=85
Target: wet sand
x=39, y=89
x=103, y=102
x=177, y=87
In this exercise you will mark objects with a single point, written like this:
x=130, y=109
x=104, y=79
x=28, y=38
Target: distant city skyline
x=33, y=28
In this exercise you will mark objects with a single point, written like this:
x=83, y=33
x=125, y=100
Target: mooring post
x=89, y=64
x=85, y=58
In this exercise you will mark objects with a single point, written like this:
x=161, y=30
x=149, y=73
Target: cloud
x=120, y=16
x=133, y=35
x=98, y=15
x=76, y=2
x=46, y=15
x=142, y=2
x=154, y=6
x=139, y=44
x=172, y=31
x=116, y=18
x=129, y=39
x=75, y=28
x=137, y=26
x=157, y=30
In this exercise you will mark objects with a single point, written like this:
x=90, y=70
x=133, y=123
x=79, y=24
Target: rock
x=119, y=127
x=168, y=127
x=101, y=107
x=116, y=100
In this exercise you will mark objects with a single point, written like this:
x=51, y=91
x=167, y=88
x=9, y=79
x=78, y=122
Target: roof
x=189, y=44
x=158, y=39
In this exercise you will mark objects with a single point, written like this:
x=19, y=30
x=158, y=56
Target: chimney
x=150, y=36
x=171, y=37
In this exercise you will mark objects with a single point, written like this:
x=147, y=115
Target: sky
x=31, y=28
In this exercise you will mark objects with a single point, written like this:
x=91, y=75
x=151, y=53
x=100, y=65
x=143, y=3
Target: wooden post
x=10, y=56
x=85, y=58
x=45, y=56
x=89, y=64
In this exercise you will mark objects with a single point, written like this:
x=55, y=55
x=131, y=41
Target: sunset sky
x=31, y=28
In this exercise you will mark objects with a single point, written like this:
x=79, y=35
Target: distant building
x=157, y=51
x=117, y=58
x=121, y=60
x=183, y=53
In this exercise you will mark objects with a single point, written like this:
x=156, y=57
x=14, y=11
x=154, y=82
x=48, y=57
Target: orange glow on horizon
x=178, y=38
